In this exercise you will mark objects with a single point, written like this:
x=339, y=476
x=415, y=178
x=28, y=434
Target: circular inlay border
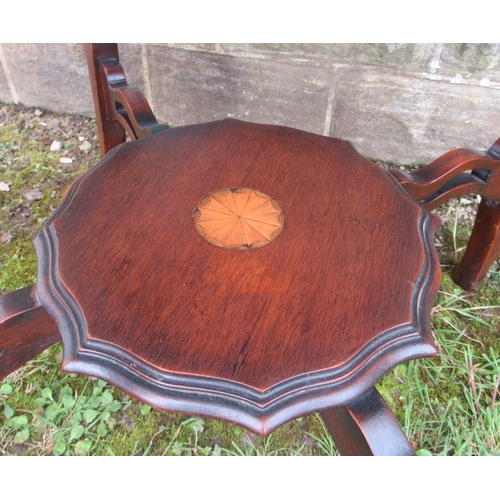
x=238, y=218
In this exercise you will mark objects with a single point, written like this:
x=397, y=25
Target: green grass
x=448, y=405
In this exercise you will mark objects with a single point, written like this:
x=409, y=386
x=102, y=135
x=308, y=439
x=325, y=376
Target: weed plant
x=448, y=405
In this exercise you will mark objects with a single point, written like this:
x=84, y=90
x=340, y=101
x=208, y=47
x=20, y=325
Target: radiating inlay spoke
x=238, y=219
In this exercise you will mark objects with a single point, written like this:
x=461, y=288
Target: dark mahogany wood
x=366, y=426
x=119, y=108
x=483, y=248
x=246, y=272
x=445, y=178
x=254, y=334
x=26, y=329
x=422, y=184
x=111, y=132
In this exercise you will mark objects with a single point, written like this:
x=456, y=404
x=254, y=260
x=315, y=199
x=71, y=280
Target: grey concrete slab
x=202, y=47
x=131, y=58
x=411, y=120
x=5, y=94
x=397, y=102
x=404, y=56
x=193, y=87
x=53, y=76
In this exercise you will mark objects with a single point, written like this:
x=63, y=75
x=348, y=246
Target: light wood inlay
x=238, y=218
x=257, y=337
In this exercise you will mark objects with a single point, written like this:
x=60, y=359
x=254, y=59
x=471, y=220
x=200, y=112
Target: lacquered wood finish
x=307, y=318
x=422, y=184
x=26, y=329
x=483, y=248
x=260, y=337
x=367, y=426
x=119, y=107
x=446, y=178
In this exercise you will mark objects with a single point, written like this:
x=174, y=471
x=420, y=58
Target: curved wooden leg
x=366, y=426
x=483, y=247
x=26, y=329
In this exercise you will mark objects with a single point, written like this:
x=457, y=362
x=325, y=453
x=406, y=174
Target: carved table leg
x=483, y=248
x=26, y=329
x=366, y=426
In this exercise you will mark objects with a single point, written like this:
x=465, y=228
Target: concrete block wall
x=406, y=103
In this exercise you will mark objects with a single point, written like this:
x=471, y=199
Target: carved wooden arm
x=25, y=329
x=445, y=178
x=119, y=108
x=448, y=177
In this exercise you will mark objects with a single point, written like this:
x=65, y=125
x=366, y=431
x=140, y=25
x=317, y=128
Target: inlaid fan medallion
x=238, y=219
x=254, y=336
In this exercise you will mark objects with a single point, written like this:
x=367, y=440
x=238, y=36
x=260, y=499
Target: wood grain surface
x=238, y=219
x=119, y=108
x=26, y=329
x=256, y=337
x=367, y=426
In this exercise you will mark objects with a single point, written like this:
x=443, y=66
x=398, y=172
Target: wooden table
x=245, y=272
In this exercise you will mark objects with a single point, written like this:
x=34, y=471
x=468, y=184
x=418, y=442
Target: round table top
x=252, y=273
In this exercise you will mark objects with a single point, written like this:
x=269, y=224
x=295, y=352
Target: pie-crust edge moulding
x=259, y=411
